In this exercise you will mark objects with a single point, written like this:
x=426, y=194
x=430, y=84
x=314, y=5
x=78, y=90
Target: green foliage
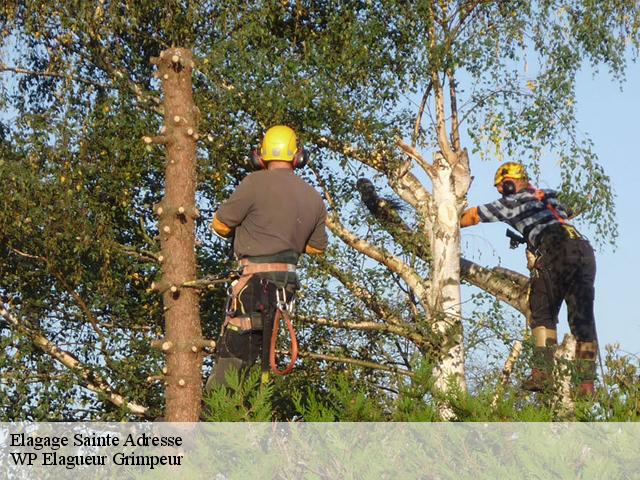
x=244, y=399
x=341, y=398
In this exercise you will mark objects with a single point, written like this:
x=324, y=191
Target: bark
x=445, y=297
x=177, y=213
x=564, y=357
x=516, y=350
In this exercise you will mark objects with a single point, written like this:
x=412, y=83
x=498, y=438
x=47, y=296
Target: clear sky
x=609, y=117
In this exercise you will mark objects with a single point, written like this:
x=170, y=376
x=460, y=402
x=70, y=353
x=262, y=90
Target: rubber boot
x=541, y=377
x=586, y=353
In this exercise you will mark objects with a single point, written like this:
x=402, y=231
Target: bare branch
x=418, y=122
x=404, y=332
x=353, y=361
x=22, y=71
x=89, y=379
x=410, y=276
x=506, y=371
x=441, y=128
x=455, y=125
x=417, y=156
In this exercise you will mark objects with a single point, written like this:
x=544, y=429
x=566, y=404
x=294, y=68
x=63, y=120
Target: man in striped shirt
x=564, y=270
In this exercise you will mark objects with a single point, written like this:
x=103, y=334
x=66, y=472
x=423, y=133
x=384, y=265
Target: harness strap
x=540, y=195
x=570, y=229
x=249, y=268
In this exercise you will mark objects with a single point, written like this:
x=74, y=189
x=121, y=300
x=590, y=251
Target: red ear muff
x=301, y=158
x=256, y=160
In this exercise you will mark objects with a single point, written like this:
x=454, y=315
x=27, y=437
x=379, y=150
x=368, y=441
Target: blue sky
x=609, y=117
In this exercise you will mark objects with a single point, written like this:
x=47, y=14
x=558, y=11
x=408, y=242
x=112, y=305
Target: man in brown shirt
x=275, y=216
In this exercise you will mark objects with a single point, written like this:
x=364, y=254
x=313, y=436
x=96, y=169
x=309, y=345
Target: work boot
x=586, y=390
x=586, y=353
x=542, y=361
x=538, y=381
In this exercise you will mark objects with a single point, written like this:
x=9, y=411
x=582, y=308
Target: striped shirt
x=525, y=212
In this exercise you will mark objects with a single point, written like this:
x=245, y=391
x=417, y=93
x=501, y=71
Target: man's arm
x=318, y=241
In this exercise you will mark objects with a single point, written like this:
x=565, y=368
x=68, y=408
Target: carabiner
x=281, y=299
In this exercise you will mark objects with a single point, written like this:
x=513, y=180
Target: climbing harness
x=242, y=323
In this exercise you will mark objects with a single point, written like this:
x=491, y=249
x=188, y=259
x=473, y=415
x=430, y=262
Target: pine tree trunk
x=177, y=213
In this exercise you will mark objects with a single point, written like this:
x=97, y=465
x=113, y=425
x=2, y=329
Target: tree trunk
x=445, y=298
x=177, y=212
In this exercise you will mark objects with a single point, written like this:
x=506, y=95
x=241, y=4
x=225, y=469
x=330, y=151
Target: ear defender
x=301, y=158
x=508, y=187
x=255, y=159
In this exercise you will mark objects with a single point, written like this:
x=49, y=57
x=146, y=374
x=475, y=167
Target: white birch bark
x=445, y=296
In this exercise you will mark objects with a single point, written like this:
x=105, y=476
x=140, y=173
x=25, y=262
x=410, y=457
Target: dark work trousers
x=565, y=269
x=239, y=349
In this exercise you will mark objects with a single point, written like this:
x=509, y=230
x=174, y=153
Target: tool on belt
x=249, y=269
x=515, y=240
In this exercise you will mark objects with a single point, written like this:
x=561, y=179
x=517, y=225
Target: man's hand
x=469, y=217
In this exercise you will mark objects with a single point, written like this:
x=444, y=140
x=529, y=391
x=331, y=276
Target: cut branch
x=506, y=285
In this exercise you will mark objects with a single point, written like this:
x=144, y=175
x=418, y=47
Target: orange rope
x=274, y=337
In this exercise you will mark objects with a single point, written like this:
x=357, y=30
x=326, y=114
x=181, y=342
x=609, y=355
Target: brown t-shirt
x=274, y=211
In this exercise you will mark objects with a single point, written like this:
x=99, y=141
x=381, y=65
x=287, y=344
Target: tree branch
x=411, y=278
x=404, y=332
x=353, y=361
x=415, y=155
x=89, y=379
x=506, y=285
x=455, y=125
x=22, y=71
x=372, y=302
x=418, y=122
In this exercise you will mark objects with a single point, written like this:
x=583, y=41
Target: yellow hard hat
x=279, y=143
x=511, y=170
